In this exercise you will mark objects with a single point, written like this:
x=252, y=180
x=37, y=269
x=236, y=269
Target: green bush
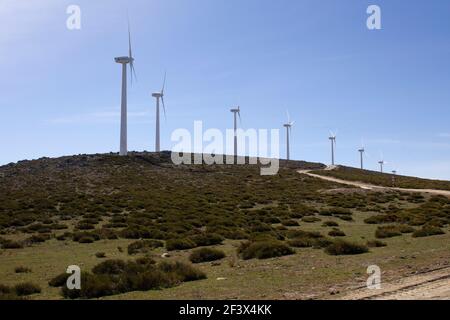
x=205, y=255
x=5, y=289
x=100, y=255
x=290, y=223
x=180, y=244
x=9, y=244
x=427, y=231
x=59, y=281
x=341, y=247
x=310, y=219
x=336, y=233
x=26, y=289
x=143, y=246
x=110, y=267
x=140, y=275
x=182, y=271
x=376, y=244
x=207, y=239
x=392, y=231
x=22, y=269
x=264, y=250
x=330, y=223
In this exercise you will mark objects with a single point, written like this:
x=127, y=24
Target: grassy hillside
x=384, y=179
x=138, y=223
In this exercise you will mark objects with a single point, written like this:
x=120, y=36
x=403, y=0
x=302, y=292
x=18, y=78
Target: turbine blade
x=164, y=84
x=288, y=116
x=130, y=54
x=164, y=107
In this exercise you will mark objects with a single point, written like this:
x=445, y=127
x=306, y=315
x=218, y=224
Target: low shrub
x=392, y=231
x=336, y=233
x=205, y=255
x=5, y=289
x=310, y=219
x=26, y=289
x=143, y=246
x=59, y=281
x=290, y=223
x=341, y=247
x=387, y=232
x=22, y=269
x=427, y=231
x=180, y=244
x=330, y=223
x=9, y=244
x=264, y=249
x=100, y=255
x=136, y=275
x=182, y=271
x=115, y=266
x=207, y=239
x=376, y=244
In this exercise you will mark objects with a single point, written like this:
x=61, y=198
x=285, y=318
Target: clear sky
x=60, y=88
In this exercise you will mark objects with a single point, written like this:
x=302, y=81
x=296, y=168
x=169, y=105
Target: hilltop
x=261, y=236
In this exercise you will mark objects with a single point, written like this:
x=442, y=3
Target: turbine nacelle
x=157, y=95
x=124, y=60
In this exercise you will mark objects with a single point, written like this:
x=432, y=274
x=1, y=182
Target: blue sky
x=61, y=89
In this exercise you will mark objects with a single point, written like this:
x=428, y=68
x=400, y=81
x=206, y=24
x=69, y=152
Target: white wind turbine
x=159, y=96
x=236, y=113
x=382, y=163
x=332, y=138
x=361, y=151
x=288, y=127
x=123, y=107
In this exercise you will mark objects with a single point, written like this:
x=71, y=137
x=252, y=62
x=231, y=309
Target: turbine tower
x=288, y=127
x=159, y=96
x=361, y=151
x=381, y=163
x=333, y=144
x=123, y=106
x=237, y=113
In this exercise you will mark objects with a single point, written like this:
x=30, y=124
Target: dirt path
x=433, y=284
x=373, y=187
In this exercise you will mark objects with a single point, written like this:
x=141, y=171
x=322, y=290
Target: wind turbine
x=123, y=107
x=159, y=96
x=288, y=127
x=361, y=151
x=333, y=144
x=236, y=112
x=382, y=163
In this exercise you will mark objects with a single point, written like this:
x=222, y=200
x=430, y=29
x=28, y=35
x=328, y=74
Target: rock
x=165, y=255
x=333, y=291
x=221, y=279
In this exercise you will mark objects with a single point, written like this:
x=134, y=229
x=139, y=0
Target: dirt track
x=432, y=285
x=367, y=186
